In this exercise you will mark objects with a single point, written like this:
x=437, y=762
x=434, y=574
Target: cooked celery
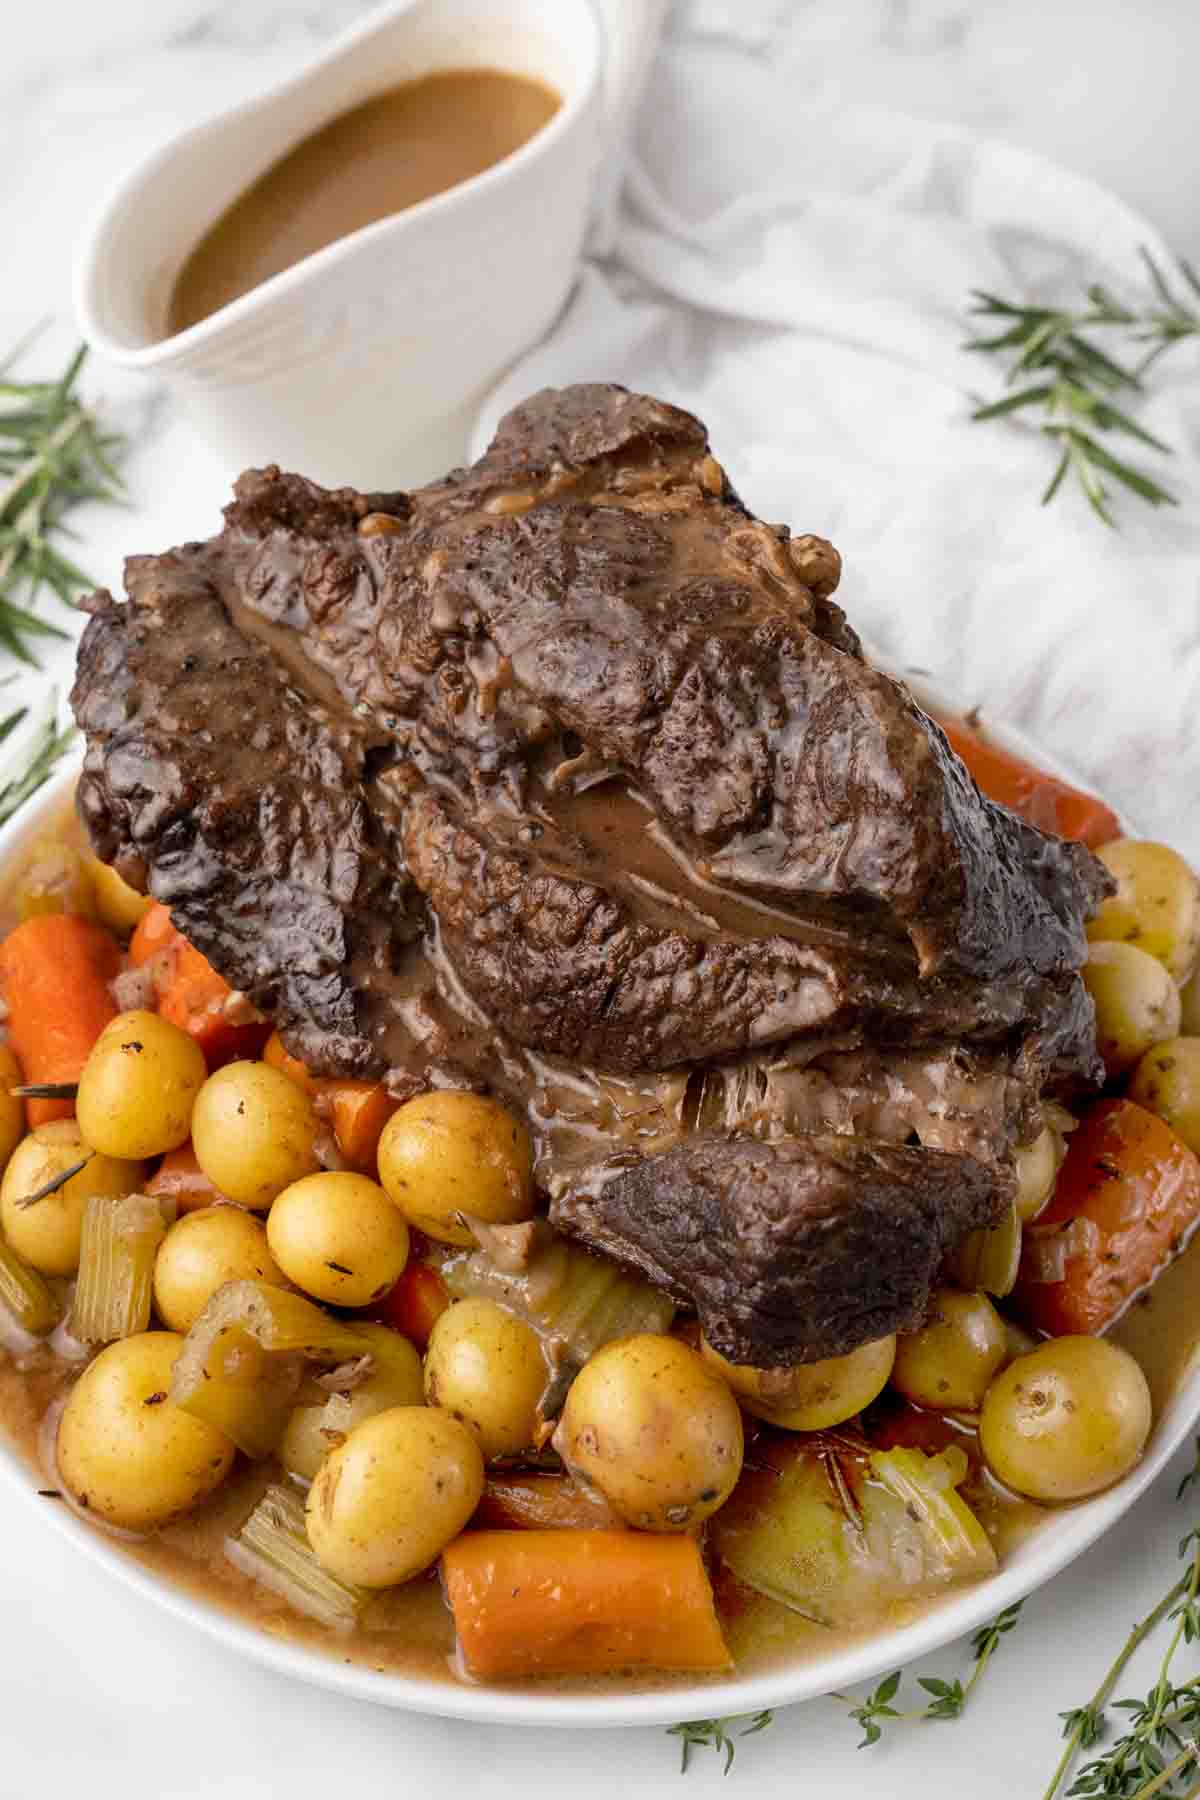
x=116, y=1265
x=25, y=1294
x=272, y=1548
x=841, y=1537
x=243, y=1360
x=926, y=1486
x=988, y=1259
x=575, y=1301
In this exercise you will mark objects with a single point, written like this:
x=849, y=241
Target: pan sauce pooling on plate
x=822, y=1151
x=383, y=156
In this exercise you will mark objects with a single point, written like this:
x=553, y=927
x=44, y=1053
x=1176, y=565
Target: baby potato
x=126, y=1452
x=1156, y=905
x=138, y=1086
x=253, y=1132
x=386, y=1503
x=119, y=906
x=338, y=1236
x=948, y=1364
x=1065, y=1421
x=200, y=1253
x=812, y=1396
x=1137, y=1003
x=12, y=1107
x=317, y=1425
x=47, y=1234
x=1167, y=1082
x=485, y=1366
x=655, y=1429
x=450, y=1152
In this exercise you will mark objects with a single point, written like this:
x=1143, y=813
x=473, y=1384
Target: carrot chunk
x=54, y=971
x=580, y=1603
x=289, y=1065
x=1050, y=804
x=358, y=1112
x=181, y=1178
x=152, y=934
x=202, y=1003
x=1127, y=1197
x=416, y=1303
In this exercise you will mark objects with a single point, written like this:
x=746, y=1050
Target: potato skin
x=948, y=1364
x=1137, y=1003
x=253, y=1132
x=1156, y=905
x=125, y=1452
x=338, y=1237
x=138, y=1087
x=485, y=1366
x=450, y=1152
x=1167, y=1082
x=655, y=1429
x=385, y=1504
x=47, y=1235
x=200, y=1253
x=814, y=1395
x=1066, y=1421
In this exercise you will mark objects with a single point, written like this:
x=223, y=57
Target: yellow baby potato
x=253, y=1132
x=338, y=1236
x=47, y=1234
x=200, y=1253
x=138, y=1086
x=447, y=1153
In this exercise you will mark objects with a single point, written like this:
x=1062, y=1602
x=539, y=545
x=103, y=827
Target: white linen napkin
x=798, y=274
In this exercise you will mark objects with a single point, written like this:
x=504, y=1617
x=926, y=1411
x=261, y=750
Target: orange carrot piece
x=1127, y=1196
x=358, y=1112
x=54, y=972
x=289, y=1065
x=580, y=1603
x=181, y=1178
x=541, y=1503
x=416, y=1303
x=152, y=934
x=198, y=1000
x=1043, y=799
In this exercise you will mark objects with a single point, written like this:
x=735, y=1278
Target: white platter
x=1035, y=1561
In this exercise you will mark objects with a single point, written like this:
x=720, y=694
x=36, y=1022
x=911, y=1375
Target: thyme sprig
x=1069, y=379
x=1160, y=1748
x=947, y=1699
x=717, y=1735
x=54, y=455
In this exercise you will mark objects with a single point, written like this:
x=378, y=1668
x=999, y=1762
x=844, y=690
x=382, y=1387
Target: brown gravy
x=389, y=153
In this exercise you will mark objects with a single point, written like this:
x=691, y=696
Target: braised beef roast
x=567, y=776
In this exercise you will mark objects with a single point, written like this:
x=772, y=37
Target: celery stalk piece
x=243, y=1360
x=116, y=1265
x=575, y=1300
x=26, y=1295
x=926, y=1487
x=273, y=1548
x=989, y=1259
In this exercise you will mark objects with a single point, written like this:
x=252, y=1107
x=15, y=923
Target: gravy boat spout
x=365, y=362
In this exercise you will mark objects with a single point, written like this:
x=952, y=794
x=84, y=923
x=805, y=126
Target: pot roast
x=566, y=777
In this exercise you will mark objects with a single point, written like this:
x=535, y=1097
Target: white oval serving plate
x=1056, y=1543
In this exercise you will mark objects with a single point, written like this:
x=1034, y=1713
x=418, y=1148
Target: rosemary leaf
x=1083, y=375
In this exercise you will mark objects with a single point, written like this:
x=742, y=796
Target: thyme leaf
x=716, y=1735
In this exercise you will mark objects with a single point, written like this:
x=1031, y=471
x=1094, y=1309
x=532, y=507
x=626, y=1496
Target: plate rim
x=1047, y=1552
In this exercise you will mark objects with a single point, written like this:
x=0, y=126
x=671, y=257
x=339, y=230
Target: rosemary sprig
x=1070, y=380
x=53, y=456
x=48, y=747
x=715, y=1734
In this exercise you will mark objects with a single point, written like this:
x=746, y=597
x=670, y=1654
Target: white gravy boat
x=365, y=362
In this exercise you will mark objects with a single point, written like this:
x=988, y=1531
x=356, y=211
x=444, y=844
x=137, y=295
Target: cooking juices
x=389, y=153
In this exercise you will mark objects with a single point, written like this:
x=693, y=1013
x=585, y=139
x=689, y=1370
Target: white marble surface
x=97, y=1688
